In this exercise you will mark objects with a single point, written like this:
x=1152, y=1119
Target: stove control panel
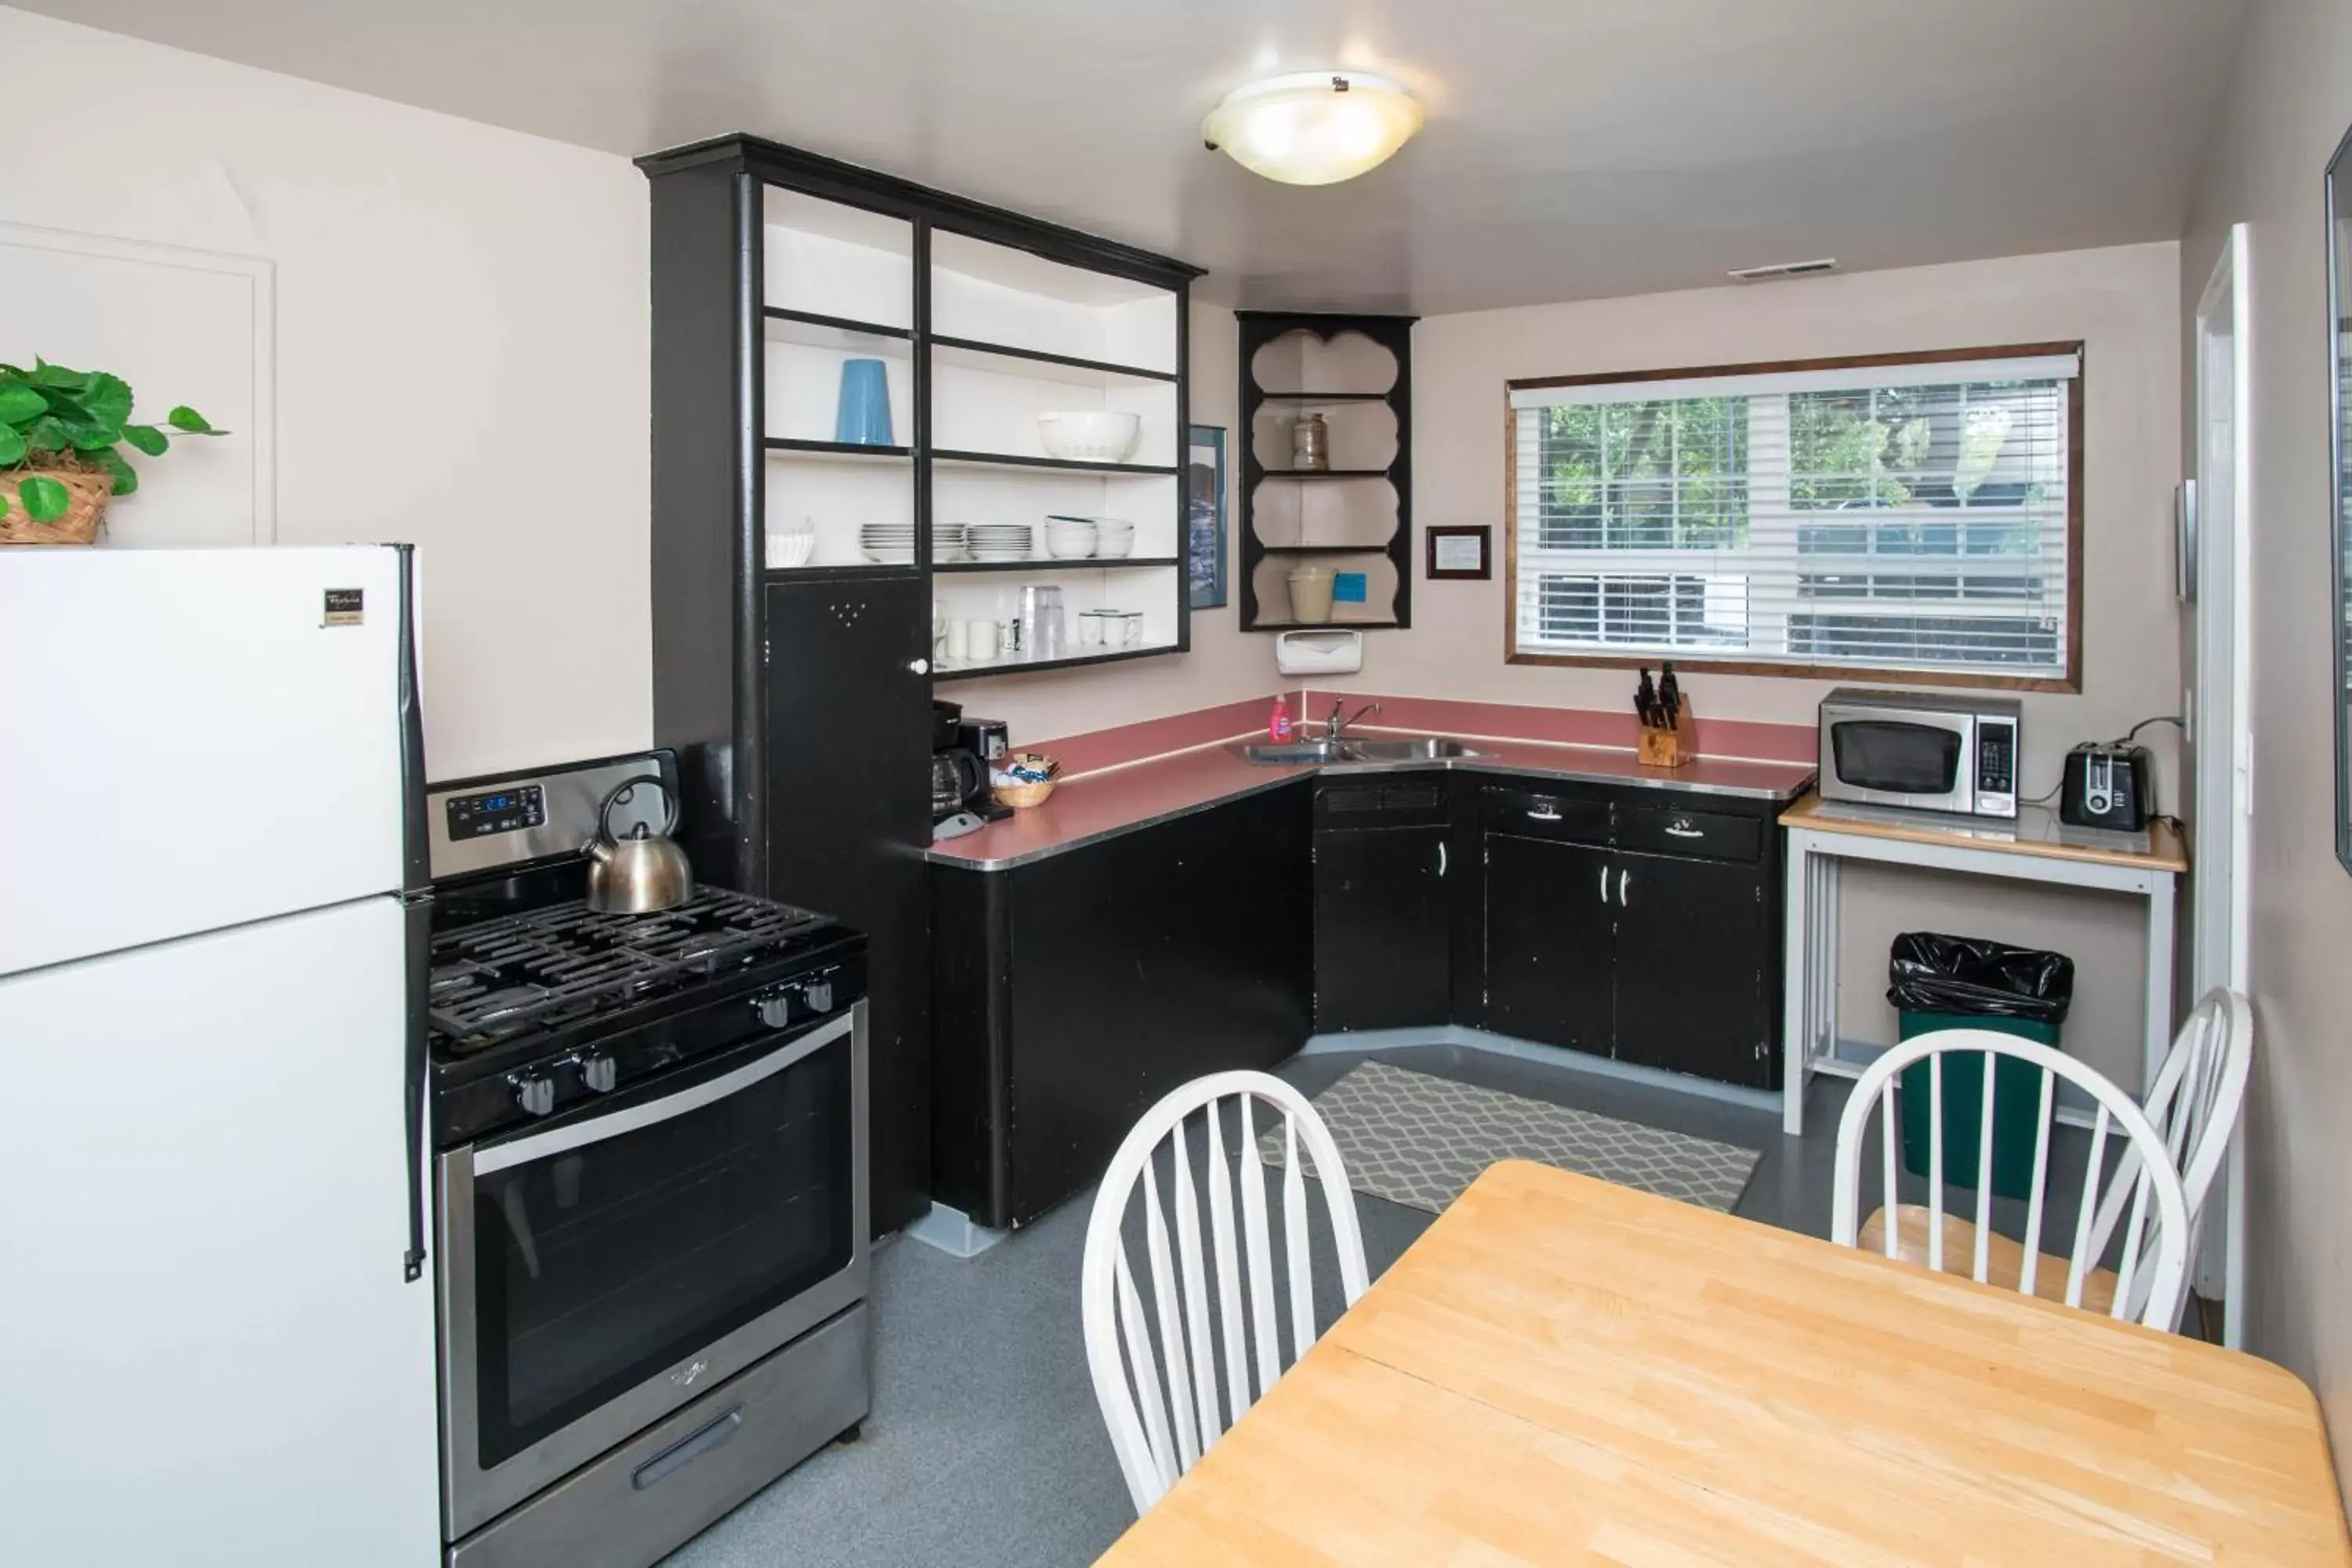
x=497, y=810
x=811, y=996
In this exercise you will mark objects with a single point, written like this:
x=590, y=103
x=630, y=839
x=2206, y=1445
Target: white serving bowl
x=1090, y=436
x=1069, y=541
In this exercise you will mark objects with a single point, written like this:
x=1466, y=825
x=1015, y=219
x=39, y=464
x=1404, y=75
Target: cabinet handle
x=1624, y=880
x=1605, y=884
x=918, y=666
x=1441, y=857
x=1680, y=827
x=1544, y=814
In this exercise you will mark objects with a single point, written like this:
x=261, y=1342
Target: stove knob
x=534, y=1093
x=775, y=1012
x=598, y=1073
x=820, y=995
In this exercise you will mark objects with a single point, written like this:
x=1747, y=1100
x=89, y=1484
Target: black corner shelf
x=1393, y=333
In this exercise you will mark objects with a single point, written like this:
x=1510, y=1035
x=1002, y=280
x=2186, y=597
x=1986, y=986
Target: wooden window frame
x=2071, y=683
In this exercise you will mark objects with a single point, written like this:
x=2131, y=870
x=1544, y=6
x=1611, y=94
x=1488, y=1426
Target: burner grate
x=553, y=966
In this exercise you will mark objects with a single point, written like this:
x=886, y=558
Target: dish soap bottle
x=1277, y=729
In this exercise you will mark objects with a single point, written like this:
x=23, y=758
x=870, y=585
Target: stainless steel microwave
x=1953, y=754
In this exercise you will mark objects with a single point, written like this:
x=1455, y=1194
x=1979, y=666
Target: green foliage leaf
x=45, y=499
x=146, y=437
x=186, y=418
x=58, y=376
x=21, y=405
x=94, y=438
x=126, y=478
x=47, y=434
x=12, y=446
x=107, y=400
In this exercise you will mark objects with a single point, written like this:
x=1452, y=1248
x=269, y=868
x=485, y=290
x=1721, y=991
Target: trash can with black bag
x=1940, y=982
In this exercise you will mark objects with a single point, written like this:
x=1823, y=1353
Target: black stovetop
x=550, y=968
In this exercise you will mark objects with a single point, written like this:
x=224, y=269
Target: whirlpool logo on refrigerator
x=344, y=607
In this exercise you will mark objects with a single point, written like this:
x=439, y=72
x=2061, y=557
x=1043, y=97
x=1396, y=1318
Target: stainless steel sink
x=1271, y=752
x=1418, y=749
x=1404, y=749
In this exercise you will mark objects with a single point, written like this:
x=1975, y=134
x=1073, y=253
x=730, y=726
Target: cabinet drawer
x=1668, y=831
x=1388, y=802
x=1533, y=814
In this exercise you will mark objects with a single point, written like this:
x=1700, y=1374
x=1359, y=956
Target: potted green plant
x=59, y=466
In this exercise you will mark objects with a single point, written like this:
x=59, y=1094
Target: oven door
x=1899, y=757
x=601, y=1268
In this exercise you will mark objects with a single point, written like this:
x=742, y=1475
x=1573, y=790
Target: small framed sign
x=1460, y=554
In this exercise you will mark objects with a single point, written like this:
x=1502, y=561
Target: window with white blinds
x=1913, y=518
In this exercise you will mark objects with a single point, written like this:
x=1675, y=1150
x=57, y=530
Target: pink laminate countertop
x=1100, y=806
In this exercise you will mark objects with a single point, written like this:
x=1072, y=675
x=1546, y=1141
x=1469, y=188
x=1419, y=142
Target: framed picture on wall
x=1204, y=515
x=1459, y=555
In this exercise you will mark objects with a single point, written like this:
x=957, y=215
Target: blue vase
x=863, y=416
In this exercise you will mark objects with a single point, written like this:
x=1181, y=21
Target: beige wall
x=460, y=354
x=1224, y=665
x=2289, y=101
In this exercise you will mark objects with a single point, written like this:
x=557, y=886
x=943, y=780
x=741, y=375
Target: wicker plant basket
x=90, y=489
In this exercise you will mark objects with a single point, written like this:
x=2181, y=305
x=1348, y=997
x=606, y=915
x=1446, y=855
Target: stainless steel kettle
x=644, y=872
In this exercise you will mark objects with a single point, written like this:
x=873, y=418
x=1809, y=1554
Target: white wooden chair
x=2200, y=1091
x=2151, y=1283
x=1163, y=1408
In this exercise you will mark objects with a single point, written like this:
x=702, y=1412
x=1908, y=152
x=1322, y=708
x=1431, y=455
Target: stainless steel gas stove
x=650, y=1186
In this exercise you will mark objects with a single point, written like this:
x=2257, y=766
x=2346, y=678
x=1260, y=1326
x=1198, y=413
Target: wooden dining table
x=1561, y=1371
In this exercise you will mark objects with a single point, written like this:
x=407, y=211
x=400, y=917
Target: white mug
x=980, y=638
x=1124, y=628
x=959, y=639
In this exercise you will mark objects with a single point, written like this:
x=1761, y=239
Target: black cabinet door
x=849, y=814
x=1383, y=958
x=1693, y=949
x=1548, y=940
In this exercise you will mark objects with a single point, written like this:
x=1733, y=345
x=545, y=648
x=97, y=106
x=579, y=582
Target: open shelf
x=1038, y=364
x=946, y=459
x=782, y=326
x=1325, y=474
x=1334, y=625
x=838, y=451
x=953, y=670
x=1356, y=515
x=1084, y=563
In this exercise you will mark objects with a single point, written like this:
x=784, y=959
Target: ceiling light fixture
x=1313, y=128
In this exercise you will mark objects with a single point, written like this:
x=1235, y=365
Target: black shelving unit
x=1392, y=333
x=799, y=696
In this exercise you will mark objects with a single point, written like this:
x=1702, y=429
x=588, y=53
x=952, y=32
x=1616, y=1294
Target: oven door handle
x=653, y=1112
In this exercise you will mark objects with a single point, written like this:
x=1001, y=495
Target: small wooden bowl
x=1021, y=797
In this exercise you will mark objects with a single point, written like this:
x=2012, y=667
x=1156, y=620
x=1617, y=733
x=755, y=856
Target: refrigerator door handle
x=416, y=868
x=419, y=913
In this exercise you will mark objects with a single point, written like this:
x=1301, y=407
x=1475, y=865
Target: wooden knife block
x=1671, y=748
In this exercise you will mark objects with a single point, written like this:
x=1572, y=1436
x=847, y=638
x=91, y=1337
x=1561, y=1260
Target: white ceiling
x=1574, y=149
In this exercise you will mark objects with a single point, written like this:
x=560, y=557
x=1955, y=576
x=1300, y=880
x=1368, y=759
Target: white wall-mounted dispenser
x=1318, y=652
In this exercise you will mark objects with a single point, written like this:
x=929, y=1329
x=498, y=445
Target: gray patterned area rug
x=1417, y=1139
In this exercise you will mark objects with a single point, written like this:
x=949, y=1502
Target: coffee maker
x=962, y=801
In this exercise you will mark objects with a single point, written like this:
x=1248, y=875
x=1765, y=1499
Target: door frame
x=2220, y=510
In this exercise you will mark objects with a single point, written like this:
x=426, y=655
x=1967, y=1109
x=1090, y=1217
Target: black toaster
x=2107, y=786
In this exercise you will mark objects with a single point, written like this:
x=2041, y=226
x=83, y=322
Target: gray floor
x=986, y=1446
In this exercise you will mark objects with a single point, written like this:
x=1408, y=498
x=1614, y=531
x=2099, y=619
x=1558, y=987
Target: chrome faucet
x=1336, y=724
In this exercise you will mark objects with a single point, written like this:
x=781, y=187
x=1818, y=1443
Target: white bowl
x=787, y=551
x=1090, y=436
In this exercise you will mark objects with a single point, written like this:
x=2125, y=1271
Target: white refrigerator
x=215, y=1314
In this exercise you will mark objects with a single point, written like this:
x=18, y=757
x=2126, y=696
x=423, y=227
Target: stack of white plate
x=998, y=541
x=950, y=542
x=887, y=543
x=1069, y=538
x=1114, y=540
